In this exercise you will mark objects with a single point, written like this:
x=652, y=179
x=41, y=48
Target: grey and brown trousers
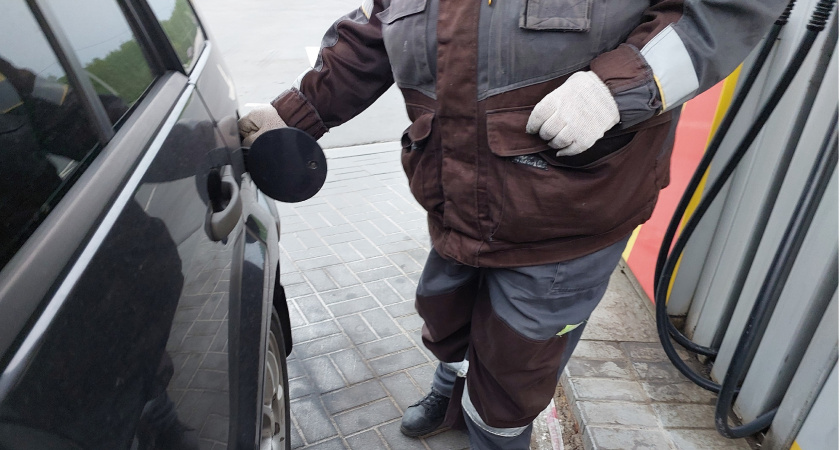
x=503, y=336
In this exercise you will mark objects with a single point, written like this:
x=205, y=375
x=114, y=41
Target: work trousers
x=503, y=336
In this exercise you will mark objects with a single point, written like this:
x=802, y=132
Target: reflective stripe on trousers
x=516, y=326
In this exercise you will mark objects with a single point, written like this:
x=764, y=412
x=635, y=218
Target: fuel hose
x=667, y=261
x=803, y=215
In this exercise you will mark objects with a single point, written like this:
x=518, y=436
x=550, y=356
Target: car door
x=122, y=287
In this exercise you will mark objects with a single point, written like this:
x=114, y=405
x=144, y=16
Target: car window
x=107, y=50
x=44, y=132
x=181, y=26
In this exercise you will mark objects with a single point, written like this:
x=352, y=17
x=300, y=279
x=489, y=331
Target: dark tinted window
x=181, y=26
x=107, y=50
x=44, y=133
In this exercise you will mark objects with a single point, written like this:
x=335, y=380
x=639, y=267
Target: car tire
x=276, y=428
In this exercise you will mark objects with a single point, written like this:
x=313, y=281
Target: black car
x=140, y=302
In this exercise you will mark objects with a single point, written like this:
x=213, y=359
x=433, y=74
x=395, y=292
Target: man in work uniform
x=541, y=135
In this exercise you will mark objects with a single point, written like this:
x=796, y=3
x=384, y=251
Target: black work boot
x=425, y=416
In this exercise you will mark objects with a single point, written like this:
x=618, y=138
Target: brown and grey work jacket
x=471, y=71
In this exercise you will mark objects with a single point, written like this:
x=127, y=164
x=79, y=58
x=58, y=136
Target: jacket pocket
x=561, y=15
x=568, y=196
x=420, y=161
x=506, y=137
x=404, y=32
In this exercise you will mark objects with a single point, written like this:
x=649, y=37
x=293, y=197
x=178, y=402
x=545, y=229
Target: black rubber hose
x=771, y=289
x=780, y=171
x=706, y=161
x=662, y=282
x=717, y=139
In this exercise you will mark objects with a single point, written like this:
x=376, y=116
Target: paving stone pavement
x=625, y=393
x=350, y=260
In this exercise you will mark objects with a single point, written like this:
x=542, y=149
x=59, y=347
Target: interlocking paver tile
x=685, y=416
x=606, y=389
x=403, y=286
x=400, y=246
x=398, y=361
x=403, y=308
x=290, y=242
x=693, y=439
x=296, y=439
x=188, y=315
x=396, y=440
x=215, y=361
x=381, y=322
x=301, y=387
x=294, y=368
x=320, y=280
x=385, y=346
x=658, y=371
x=402, y=389
x=384, y=292
x=340, y=295
x=312, y=419
x=310, y=253
x=405, y=262
x=312, y=308
x=291, y=278
x=598, y=350
x=367, y=416
x=315, y=331
x=332, y=444
x=410, y=322
x=349, y=236
x=386, y=225
x=422, y=375
x=686, y=392
x=295, y=317
x=352, y=366
x=323, y=261
x=366, y=248
x=210, y=380
x=391, y=239
x=378, y=274
x=346, y=252
x=215, y=428
x=353, y=396
x=342, y=275
x=199, y=344
x=369, y=229
x=615, y=414
x=323, y=374
x=370, y=263
x=297, y=290
x=603, y=369
x=369, y=440
x=352, y=306
x=323, y=346
x=338, y=225
x=619, y=439
x=357, y=329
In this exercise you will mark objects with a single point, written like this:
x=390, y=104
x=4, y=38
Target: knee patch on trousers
x=512, y=378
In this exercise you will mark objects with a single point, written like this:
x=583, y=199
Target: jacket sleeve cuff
x=294, y=108
x=631, y=82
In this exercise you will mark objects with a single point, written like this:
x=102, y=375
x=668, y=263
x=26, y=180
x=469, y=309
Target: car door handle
x=225, y=203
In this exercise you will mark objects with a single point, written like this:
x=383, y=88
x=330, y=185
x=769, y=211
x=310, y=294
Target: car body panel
x=129, y=322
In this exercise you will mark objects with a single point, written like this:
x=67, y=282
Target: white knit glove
x=575, y=115
x=257, y=122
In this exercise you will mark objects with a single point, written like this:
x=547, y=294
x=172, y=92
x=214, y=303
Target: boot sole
x=419, y=433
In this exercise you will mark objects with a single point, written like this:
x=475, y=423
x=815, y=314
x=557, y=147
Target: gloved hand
x=257, y=122
x=575, y=115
